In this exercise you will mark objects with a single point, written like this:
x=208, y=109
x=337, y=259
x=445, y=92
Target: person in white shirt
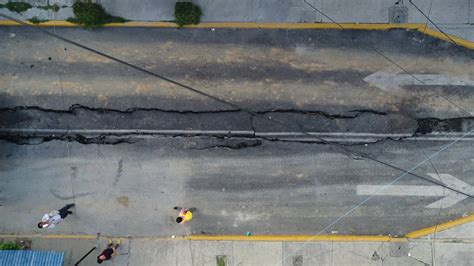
x=51, y=219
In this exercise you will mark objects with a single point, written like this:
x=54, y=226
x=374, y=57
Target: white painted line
x=125, y=131
x=431, y=191
x=391, y=79
x=449, y=199
x=328, y=133
x=351, y=137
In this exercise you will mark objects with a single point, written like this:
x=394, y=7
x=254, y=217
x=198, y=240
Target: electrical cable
x=399, y=177
x=419, y=48
x=67, y=143
x=345, y=149
x=388, y=58
x=432, y=22
x=424, y=30
x=356, y=206
x=406, y=172
x=433, y=243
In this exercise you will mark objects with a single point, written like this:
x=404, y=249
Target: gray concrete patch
x=145, y=10
x=143, y=251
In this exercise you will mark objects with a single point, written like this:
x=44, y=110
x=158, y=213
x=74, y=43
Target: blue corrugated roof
x=31, y=258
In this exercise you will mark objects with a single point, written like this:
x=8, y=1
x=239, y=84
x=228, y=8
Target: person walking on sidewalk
x=50, y=220
x=109, y=252
x=184, y=214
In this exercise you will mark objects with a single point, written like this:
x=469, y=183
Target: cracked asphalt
x=127, y=147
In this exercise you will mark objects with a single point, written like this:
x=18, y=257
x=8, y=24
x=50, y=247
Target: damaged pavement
x=33, y=125
x=74, y=125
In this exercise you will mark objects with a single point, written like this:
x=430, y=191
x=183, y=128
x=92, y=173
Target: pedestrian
x=51, y=219
x=184, y=214
x=109, y=252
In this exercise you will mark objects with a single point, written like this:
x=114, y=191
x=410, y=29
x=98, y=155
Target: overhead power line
x=388, y=58
x=345, y=149
x=402, y=175
x=432, y=22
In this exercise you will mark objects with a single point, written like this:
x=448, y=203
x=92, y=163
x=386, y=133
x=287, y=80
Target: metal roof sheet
x=31, y=258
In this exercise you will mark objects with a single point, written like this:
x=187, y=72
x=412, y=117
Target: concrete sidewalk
x=451, y=247
x=455, y=17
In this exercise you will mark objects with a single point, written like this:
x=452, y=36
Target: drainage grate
x=398, y=14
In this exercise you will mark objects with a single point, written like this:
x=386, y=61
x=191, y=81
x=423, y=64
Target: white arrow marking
x=390, y=79
x=449, y=197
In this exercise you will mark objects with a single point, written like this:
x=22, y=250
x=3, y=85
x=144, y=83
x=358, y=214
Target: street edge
x=249, y=25
x=269, y=25
x=277, y=238
x=296, y=238
x=440, y=227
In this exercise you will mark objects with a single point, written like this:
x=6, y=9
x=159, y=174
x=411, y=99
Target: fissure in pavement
x=90, y=125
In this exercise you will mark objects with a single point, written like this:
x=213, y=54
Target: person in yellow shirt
x=184, y=214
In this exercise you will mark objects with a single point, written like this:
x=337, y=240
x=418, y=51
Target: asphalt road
x=127, y=147
x=272, y=188
x=259, y=69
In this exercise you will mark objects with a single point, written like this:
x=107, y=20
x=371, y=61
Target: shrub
x=186, y=13
x=18, y=7
x=91, y=15
x=9, y=246
x=36, y=20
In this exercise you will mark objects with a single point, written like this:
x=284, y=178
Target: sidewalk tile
x=309, y=253
x=242, y=10
x=453, y=254
x=206, y=252
x=144, y=10
x=150, y=252
x=257, y=253
x=357, y=253
x=453, y=11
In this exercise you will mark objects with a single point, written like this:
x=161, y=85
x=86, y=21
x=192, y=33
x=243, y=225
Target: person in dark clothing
x=109, y=252
x=64, y=211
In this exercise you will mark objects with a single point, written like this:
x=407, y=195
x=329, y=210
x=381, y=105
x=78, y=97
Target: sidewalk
x=454, y=17
x=450, y=247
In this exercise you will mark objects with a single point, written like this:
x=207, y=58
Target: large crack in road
x=32, y=125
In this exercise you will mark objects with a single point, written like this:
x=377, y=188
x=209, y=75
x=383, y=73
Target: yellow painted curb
x=277, y=238
x=52, y=23
x=440, y=35
x=295, y=238
x=269, y=25
x=440, y=227
x=302, y=26
x=243, y=25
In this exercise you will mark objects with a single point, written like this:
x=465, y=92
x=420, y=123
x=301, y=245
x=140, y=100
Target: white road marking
x=346, y=137
x=449, y=199
x=390, y=79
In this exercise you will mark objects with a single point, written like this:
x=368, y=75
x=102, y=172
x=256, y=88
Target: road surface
x=127, y=147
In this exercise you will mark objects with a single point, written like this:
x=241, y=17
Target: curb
x=283, y=25
x=296, y=238
x=251, y=25
x=439, y=227
x=276, y=238
x=242, y=25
